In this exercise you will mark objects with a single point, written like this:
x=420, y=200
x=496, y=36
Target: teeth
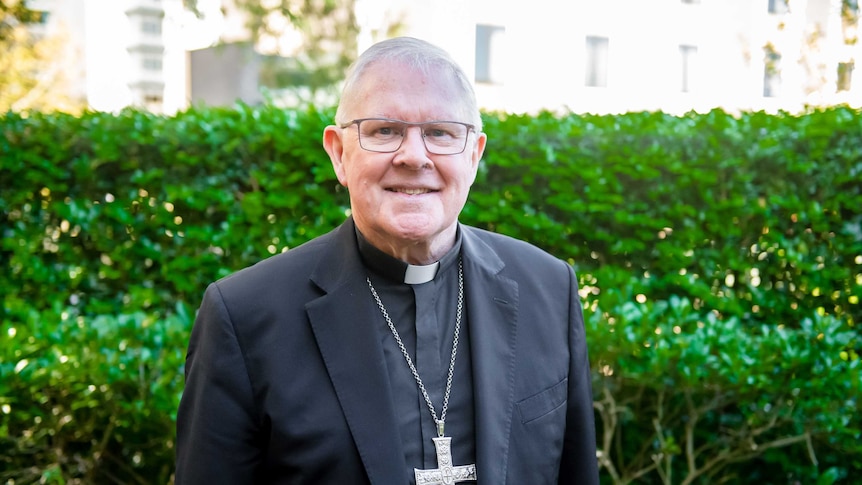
x=413, y=191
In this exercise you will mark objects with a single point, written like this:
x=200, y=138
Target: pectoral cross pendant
x=445, y=473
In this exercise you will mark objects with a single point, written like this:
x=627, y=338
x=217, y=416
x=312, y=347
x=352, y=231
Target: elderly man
x=402, y=347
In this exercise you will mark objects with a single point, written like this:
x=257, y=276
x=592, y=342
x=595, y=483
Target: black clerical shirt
x=424, y=315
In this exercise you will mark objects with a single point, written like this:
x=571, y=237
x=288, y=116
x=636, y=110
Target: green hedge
x=720, y=259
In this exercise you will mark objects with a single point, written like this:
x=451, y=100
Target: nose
x=412, y=153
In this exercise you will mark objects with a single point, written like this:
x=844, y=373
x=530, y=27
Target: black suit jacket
x=286, y=382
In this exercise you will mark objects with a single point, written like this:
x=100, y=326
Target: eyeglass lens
x=441, y=137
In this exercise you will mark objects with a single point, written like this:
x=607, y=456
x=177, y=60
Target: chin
x=414, y=233
x=414, y=227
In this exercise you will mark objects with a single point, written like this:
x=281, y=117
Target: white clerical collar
x=416, y=275
x=397, y=270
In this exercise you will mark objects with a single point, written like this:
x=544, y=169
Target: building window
x=489, y=53
x=778, y=6
x=845, y=75
x=597, y=62
x=151, y=27
x=151, y=64
x=688, y=63
x=771, y=72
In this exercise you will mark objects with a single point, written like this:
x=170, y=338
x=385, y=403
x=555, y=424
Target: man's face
x=410, y=197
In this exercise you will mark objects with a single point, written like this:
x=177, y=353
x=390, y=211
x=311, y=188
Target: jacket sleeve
x=217, y=427
x=579, y=464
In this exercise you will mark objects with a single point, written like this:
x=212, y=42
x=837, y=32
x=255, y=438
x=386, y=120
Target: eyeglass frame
x=408, y=124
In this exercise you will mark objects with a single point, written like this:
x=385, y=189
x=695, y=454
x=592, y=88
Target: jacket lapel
x=492, y=310
x=354, y=357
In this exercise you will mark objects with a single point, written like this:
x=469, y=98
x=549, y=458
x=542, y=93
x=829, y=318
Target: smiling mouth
x=410, y=191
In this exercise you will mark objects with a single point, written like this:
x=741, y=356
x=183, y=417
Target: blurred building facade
x=672, y=55
x=599, y=56
x=127, y=52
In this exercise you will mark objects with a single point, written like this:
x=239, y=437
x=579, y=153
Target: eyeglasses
x=383, y=135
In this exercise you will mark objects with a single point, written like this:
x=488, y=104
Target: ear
x=477, y=151
x=335, y=148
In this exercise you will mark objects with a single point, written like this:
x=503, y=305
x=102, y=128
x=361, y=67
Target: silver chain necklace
x=440, y=422
x=446, y=473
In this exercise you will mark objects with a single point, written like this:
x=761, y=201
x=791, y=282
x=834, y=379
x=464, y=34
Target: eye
x=439, y=132
x=381, y=129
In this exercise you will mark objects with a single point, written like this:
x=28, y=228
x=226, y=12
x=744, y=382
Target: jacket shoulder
x=269, y=272
x=511, y=249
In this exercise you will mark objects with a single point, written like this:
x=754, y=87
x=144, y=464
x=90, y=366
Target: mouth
x=408, y=191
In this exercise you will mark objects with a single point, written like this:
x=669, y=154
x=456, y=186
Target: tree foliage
x=13, y=12
x=328, y=32
x=32, y=65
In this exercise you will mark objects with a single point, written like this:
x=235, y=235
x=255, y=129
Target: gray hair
x=417, y=54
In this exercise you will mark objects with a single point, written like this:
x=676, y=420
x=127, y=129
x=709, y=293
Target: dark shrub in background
x=720, y=260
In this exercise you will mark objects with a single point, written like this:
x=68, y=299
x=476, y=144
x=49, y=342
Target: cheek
x=361, y=179
x=341, y=176
x=466, y=175
x=351, y=172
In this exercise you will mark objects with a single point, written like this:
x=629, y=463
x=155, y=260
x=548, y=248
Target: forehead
x=394, y=89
